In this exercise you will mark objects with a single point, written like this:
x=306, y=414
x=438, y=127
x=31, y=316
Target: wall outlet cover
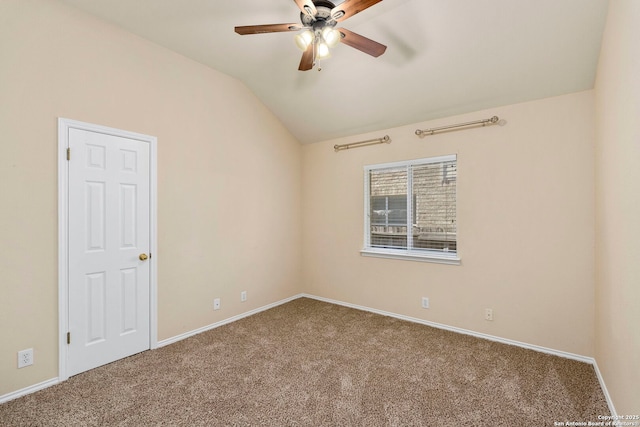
x=25, y=358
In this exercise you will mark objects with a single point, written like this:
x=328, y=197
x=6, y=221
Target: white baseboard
x=28, y=390
x=607, y=396
x=225, y=321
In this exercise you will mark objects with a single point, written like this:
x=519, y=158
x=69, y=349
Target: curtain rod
x=383, y=140
x=493, y=120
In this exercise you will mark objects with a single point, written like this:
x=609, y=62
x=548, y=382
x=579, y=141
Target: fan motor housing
x=323, y=14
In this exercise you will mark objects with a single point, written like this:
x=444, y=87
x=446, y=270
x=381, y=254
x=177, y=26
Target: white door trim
x=63, y=232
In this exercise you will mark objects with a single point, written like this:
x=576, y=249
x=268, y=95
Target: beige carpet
x=309, y=363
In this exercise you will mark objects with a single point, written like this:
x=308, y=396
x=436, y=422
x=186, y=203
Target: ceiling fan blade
x=307, y=7
x=306, y=63
x=270, y=28
x=361, y=43
x=350, y=8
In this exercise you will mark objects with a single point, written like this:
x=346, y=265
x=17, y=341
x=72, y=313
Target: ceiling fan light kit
x=331, y=36
x=304, y=39
x=322, y=51
x=318, y=20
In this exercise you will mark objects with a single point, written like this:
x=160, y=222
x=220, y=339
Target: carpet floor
x=310, y=363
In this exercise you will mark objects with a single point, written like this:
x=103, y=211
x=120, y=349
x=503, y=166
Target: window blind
x=411, y=206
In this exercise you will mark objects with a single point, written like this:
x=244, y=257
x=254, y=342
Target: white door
x=109, y=238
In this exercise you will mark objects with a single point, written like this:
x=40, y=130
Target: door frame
x=64, y=125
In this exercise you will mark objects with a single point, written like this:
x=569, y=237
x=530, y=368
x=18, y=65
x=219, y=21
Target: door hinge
x=68, y=153
x=68, y=337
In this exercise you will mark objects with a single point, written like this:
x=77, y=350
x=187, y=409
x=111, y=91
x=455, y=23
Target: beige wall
x=525, y=225
x=222, y=226
x=618, y=206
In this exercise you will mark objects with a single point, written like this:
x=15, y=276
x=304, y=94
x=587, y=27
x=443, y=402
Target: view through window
x=411, y=207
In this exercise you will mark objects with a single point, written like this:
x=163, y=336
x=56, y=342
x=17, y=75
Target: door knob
x=143, y=257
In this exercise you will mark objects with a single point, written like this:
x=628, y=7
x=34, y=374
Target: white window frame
x=405, y=254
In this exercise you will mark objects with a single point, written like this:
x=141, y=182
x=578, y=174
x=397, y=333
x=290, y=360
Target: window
x=410, y=210
x=389, y=210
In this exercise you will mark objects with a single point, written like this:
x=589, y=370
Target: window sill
x=439, y=258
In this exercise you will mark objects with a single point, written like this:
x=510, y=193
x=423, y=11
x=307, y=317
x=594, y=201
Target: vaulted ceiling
x=443, y=57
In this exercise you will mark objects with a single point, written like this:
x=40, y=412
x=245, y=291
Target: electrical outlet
x=25, y=358
x=216, y=304
x=243, y=296
x=425, y=302
x=488, y=314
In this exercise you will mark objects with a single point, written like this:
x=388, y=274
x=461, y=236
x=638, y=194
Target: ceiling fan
x=318, y=19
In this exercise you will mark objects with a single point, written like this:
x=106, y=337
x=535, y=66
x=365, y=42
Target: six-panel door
x=108, y=226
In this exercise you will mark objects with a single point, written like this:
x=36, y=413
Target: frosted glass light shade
x=331, y=36
x=304, y=39
x=323, y=51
